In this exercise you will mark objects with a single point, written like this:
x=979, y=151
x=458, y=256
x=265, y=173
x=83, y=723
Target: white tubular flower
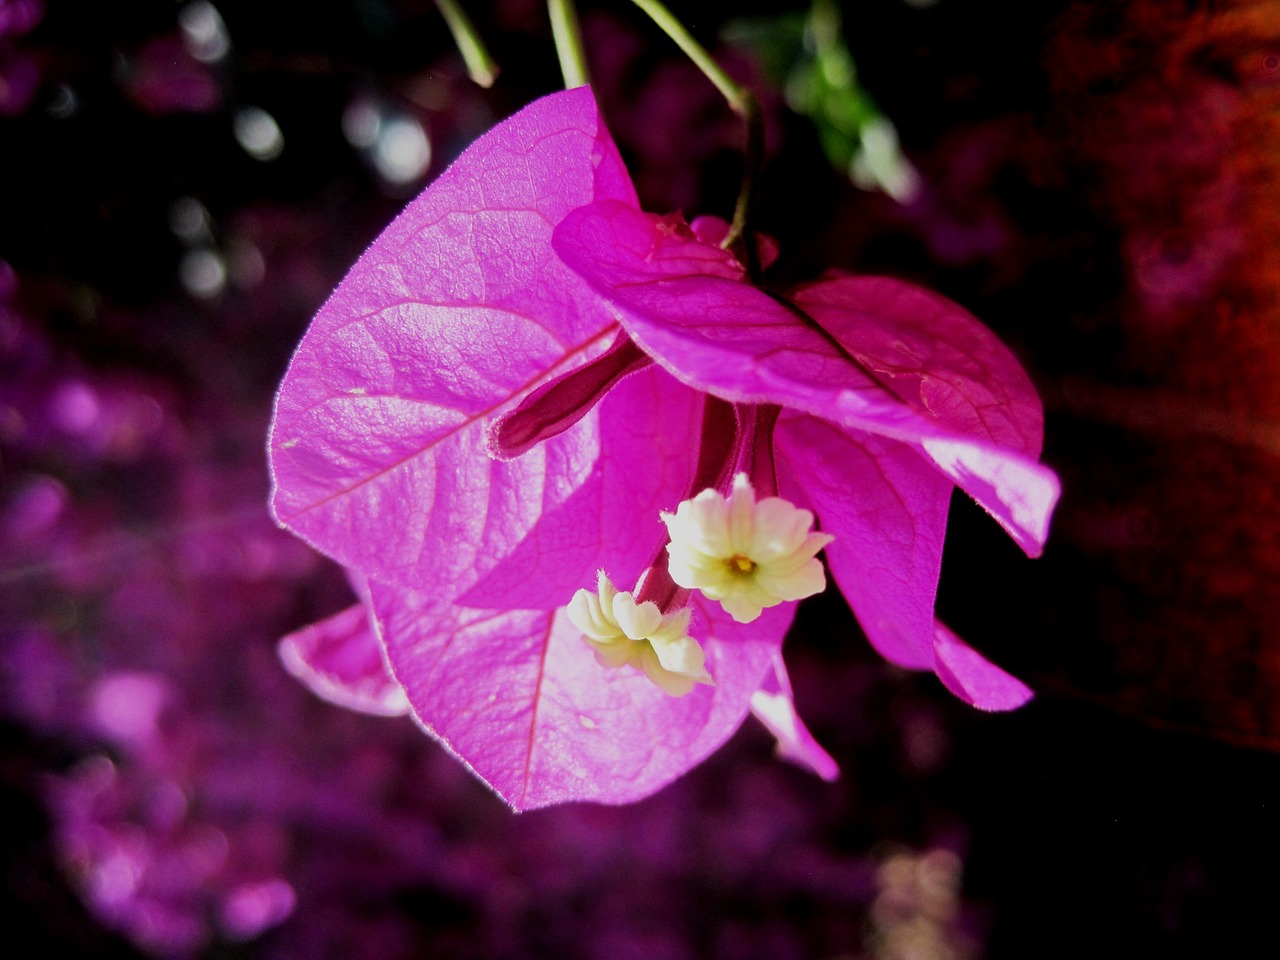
x=625, y=632
x=747, y=555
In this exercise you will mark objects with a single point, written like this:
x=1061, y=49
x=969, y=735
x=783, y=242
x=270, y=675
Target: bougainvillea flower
x=489, y=419
x=890, y=396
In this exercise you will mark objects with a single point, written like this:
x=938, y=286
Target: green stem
x=568, y=39
x=480, y=66
x=737, y=96
x=743, y=102
x=740, y=228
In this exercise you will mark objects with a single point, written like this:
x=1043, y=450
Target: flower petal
x=456, y=310
x=340, y=660
x=774, y=706
x=638, y=621
x=887, y=508
x=732, y=340
x=519, y=698
x=973, y=678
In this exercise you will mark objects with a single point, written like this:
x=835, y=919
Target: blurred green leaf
x=807, y=57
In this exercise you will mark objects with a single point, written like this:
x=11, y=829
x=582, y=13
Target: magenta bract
x=469, y=427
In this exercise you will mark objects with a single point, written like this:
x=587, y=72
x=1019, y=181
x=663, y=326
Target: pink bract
x=428, y=436
x=892, y=395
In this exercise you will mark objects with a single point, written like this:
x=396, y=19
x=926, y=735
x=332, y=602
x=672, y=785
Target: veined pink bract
x=469, y=427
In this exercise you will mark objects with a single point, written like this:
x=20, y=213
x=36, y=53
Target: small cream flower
x=748, y=555
x=623, y=631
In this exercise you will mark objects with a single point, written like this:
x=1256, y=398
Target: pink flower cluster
x=518, y=379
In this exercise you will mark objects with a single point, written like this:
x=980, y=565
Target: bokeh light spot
x=258, y=133
x=189, y=220
x=253, y=907
x=204, y=31
x=36, y=508
x=64, y=103
x=126, y=706
x=361, y=123
x=75, y=407
x=203, y=273
x=402, y=152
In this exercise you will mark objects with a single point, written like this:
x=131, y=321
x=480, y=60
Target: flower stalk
x=742, y=102
x=481, y=67
x=567, y=34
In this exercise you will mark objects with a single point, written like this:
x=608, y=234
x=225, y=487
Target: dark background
x=1098, y=187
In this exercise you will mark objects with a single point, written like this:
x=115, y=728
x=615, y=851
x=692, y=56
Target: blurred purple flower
x=19, y=16
x=163, y=78
x=19, y=79
x=19, y=73
x=516, y=379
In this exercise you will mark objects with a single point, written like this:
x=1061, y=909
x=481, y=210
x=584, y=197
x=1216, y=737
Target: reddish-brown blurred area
x=1164, y=406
